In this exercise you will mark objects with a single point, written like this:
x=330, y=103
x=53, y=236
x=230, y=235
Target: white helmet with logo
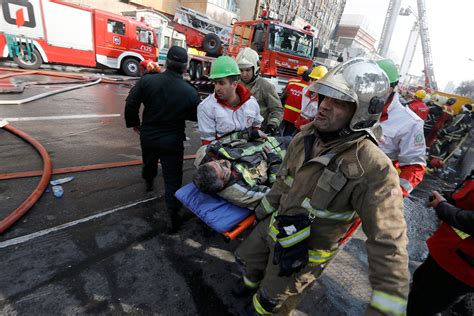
x=248, y=58
x=361, y=81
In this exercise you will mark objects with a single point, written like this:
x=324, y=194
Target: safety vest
x=452, y=248
x=294, y=92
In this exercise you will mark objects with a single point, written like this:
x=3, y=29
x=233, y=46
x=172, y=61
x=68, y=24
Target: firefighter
x=265, y=93
x=168, y=102
x=332, y=175
x=418, y=106
x=292, y=99
x=403, y=140
x=309, y=102
x=447, y=275
x=451, y=135
x=231, y=107
x=240, y=172
x=442, y=115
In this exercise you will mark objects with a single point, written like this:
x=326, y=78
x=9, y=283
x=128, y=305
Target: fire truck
x=33, y=32
x=282, y=48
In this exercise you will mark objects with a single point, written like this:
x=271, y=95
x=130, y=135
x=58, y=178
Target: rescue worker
x=403, y=140
x=147, y=66
x=292, y=98
x=240, y=171
x=168, y=101
x=332, y=175
x=451, y=135
x=231, y=107
x=265, y=93
x=418, y=106
x=447, y=275
x=309, y=102
x=442, y=116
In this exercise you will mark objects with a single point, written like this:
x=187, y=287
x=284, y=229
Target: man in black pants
x=168, y=101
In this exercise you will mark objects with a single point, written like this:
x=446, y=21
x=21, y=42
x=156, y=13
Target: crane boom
x=430, y=81
x=389, y=26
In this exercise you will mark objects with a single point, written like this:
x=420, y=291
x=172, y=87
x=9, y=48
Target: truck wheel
x=198, y=71
x=192, y=70
x=130, y=67
x=211, y=44
x=33, y=63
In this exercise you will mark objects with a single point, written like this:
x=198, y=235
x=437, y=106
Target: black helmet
x=451, y=101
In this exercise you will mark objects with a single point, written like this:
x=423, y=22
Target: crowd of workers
x=346, y=133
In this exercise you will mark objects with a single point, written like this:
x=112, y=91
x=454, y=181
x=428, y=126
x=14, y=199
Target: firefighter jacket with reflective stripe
x=341, y=181
x=452, y=245
x=254, y=167
x=294, y=94
x=443, y=120
x=420, y=108
x=460, y=126
x=216, y=118
x=404, y=143
x=268, y=100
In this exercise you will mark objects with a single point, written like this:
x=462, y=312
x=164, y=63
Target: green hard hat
x=390, y=70
x=224, y=66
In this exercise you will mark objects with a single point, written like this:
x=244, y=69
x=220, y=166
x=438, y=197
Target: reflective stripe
x=404, y=183
x=288, y=181
x=343, y=216
x=299, y=84
x=274, y=121
x=258, y=307
x=292, y=108
x=267, y=207
x=246, y=175
x=248, y=283
x=321, y=256
x=273, y=232
x=252, y=150
x=460, y=233
x=275, y=145
x=388, y=303
x=225, y=153
x=295, y=238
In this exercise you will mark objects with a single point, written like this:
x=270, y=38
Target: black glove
x=293, y=258
x=272, y=130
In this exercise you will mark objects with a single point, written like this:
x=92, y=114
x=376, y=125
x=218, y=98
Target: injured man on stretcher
x=240, y=167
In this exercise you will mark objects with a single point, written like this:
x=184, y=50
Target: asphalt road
x=103, y=248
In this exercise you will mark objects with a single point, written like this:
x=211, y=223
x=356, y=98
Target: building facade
x=354, y=39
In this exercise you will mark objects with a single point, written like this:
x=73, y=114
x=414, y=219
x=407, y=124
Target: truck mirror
x=316, y=51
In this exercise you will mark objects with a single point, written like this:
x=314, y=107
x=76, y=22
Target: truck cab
x=282, y=48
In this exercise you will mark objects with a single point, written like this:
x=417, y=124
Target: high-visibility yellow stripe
x=460, y=233
x=325, y=214
x=388, y=303
x=299, y=84
x=292, y=108
x=246, y=175
x=258, y=307
x=288, y=181
x=321, y=256
x=267, y=206
x=295, y=238
x=250, y=284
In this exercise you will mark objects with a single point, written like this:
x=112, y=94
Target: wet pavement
x=103, y=248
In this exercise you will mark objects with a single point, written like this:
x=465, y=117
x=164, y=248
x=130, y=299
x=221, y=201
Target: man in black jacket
x=168, y=101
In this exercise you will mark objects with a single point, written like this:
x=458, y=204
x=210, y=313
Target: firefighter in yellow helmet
x=292, y=99
x=309, y=102
x=265, y=93
x=418, y=106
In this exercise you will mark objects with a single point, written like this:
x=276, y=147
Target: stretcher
x=222, y=216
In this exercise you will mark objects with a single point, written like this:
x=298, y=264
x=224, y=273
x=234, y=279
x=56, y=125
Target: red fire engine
x=53, y=31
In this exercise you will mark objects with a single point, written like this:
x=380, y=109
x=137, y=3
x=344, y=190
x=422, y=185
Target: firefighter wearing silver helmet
x=333, y=177
x=265, y=93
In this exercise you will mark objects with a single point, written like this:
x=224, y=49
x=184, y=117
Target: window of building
x=115, y=27
x=178, y=42
x=230, y=5
x=166, y=42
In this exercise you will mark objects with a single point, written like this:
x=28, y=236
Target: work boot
x=149, y=185
x=240, y=290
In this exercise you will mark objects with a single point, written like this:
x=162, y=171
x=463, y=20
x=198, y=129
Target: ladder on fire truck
x=202, y=23
x=426, y=46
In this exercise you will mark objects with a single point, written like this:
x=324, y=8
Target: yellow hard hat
x=318, y=72
x=301, y=70
x=420, y=94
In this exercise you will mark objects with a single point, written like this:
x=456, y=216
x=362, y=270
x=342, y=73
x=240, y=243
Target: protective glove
x=272, y=130
x=295, y=257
